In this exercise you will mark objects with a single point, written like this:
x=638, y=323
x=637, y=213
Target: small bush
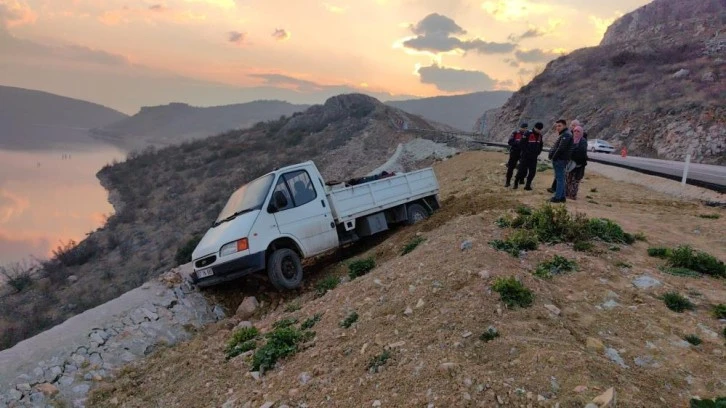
x=553, y=224
x=378, y=361
x=686, y=257
x=710, y=216
x=490, y=334
x=242, y=341
x=719, y=402
x=621, y=264
x=719, y=311
x=518, y=241
x=693, y=339
x=682, y=272
x=524, y=210
x=292, y=307
x=504, y=222
x=326, y=284
x=18, y=275
x=513, y=292
x=360, y=267
x=412, y=244
x=543, y=167
x=184, y=253
x=73, y=254
x=311, y=321
x=583, y=246
x=283, y=323
x=555, y=266
x=659, y=252
x=281, y=342
x=640, y=237
x=608, y=231
x=349, y=320
x=677, y=303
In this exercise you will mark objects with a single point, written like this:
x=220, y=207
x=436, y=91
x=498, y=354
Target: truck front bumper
x=231, y=270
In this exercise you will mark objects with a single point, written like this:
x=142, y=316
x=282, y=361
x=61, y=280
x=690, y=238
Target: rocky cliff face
x=656, y=84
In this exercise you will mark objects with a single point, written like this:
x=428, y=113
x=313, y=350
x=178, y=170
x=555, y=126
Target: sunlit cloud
x=334, y=9
x=538, y=55
x=280, y=34
x=149, y=14
x=514, y=10
x=11, y=206
x=452, y=79
x=16, y=13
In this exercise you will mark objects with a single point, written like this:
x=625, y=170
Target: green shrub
x=659, y=252
x=608, y=231
x=504, y=222
x=686, y=257
x=311, y=321
x=710, y=216
x=640, y=237
x=378, y=361
x=360, y=267
x=517, y=241
x=719, y=402
x=524, y=210
x=184, y=253
x=349, y=320
x=555, y=266
x=513, y=292
x=682, y=272
x=490, y=334
x=677, y=303
x=553, y=224
x=281, y=342
x=719, y=311
x=543, y=167
x=693, y=339
x=583, y=246
x=292, y=307
x=326, y=284
x=286, y=322
x=242, y=341
x=412, y=244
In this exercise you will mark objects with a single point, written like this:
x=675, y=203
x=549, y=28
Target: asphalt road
x=703, y=174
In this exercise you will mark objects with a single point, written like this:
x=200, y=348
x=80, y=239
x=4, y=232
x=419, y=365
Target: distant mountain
x=39, y=120
x=178, y=122
x=459, y=111
x=656, y=85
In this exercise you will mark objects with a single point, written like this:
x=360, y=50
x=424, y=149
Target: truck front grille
x=205, y=261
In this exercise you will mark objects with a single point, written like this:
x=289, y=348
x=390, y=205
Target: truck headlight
x=233, y=247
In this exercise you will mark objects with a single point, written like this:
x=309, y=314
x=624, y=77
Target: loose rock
x=248, y=307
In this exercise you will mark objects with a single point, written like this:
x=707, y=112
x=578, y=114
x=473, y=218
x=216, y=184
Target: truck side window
x=281, y=186
x=301, y=186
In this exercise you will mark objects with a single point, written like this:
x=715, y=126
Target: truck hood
x=229, y=231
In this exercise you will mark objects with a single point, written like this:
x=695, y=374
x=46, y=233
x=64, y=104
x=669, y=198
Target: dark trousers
x=512, y=164
x=527, y=168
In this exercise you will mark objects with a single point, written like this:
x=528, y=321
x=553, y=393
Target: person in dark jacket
x=579, y=156
x=530, y=146
x=514, y=150
x=560, y=154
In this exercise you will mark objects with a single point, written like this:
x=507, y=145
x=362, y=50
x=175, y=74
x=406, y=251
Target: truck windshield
x=247, y=198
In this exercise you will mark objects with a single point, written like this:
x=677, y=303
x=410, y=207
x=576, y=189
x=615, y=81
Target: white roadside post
x=688, y=163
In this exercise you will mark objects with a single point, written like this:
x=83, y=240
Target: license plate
x=203, y=273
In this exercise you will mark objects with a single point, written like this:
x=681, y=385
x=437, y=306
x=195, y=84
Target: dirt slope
x=540, y=359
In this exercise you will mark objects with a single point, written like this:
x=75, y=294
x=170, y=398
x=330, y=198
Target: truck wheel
x=416, y=213
x=285, y=269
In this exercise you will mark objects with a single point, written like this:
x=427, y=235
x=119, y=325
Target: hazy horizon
x=217, y=52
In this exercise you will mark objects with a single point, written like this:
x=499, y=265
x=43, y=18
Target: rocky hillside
x=179, y=122
x=39, y=120
x=459, y=111
x=656, y=84
x=442, y=314
x=165, y=199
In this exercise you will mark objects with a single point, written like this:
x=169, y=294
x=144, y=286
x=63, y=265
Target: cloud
x=15, y=47
x=525, y=71
x=236, y=37
x=14, y=249
x=514, y=10
x=512, y=62
x=280, y=34
x=289, y=82
x=15, y=13
x=149, y=14
x=158, y=7
x=536, y=55
x=453, y=80
x=435, y=34
x=334, y=9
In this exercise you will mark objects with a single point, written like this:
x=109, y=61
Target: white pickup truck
x=273, y=222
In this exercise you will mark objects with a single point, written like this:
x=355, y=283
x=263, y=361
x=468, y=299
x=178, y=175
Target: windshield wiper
x=231, y=217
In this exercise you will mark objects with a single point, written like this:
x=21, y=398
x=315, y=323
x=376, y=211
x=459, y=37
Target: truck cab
x=284, y=213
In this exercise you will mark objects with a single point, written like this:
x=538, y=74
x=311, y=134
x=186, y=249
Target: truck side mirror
x=278, y=201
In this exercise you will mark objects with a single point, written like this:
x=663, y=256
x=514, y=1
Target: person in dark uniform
x=514, y=150
x=530, y=146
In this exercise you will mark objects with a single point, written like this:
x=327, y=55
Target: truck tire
x=285, y=269
x=416, y=213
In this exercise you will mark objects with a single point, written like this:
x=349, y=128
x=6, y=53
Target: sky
x=131, y=53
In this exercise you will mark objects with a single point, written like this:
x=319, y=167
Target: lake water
x=49, y=196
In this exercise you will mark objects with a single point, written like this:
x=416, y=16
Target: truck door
x=307, y=215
